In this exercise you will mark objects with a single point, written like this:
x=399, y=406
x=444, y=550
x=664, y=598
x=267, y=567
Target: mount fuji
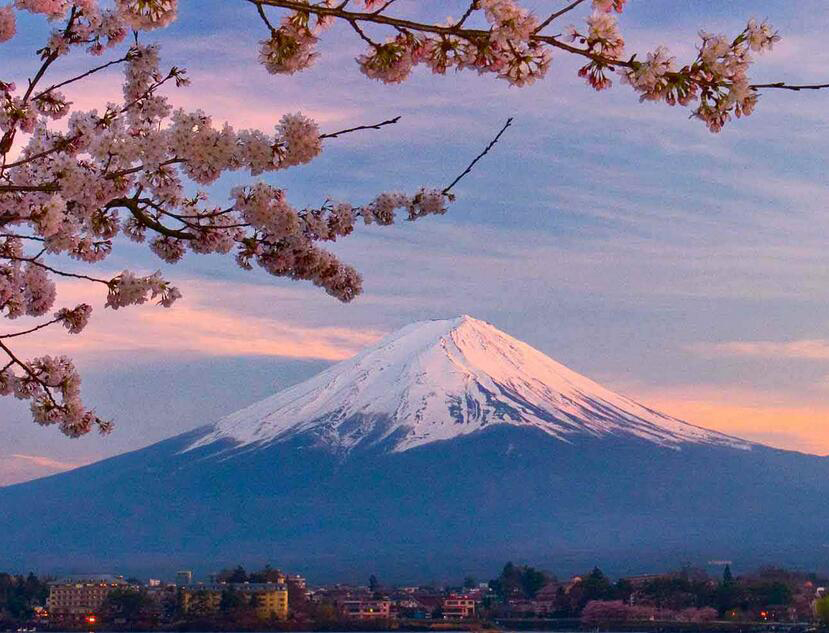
x=444, y=449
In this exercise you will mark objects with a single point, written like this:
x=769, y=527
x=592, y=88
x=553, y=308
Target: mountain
x=439, y=380
x=445, y=449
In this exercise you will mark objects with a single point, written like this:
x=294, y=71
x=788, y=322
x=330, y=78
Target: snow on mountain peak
x=437, y=380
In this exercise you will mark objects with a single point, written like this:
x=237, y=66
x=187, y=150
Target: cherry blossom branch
x=376, y=126
x=794, y=87
x=133, y=207
x=558, y=14
x=31, y=330
x=84, y=75
x=485, y=151
x=591, y=52
x=62, y=273
x=424, y=27
x=61, y=145
x=29, y=371
x=27, y=188
x=50, y=56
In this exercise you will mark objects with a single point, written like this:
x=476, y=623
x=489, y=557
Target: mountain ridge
x=337, y=499
x=440, y=379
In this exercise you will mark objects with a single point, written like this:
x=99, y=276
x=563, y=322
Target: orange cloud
x=771, y=419
x=203, y=323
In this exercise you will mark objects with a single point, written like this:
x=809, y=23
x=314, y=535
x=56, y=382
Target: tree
x=596, y=586
x=519, y=581
x=373, y=583
x=598, y=612
x=266, y=574
x=128, y=605
x=727, y=576
x=123, y=170
x=231, y=601
x=19, y=595
x=237, y=575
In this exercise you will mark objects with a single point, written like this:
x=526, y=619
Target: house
x=458, y=607
x=365, y=609
x=270, y=599
x=78, y=599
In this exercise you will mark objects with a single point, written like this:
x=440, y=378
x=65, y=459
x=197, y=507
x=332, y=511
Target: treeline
x=689, y=594
x=19, y=595
x=239, y=575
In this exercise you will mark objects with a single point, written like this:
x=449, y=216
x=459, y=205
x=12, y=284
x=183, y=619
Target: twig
x=81, y=76
x=24, y=188
x=466, y=14
x=33, y=261
x=30, y=330
x=376, y=126
x=478, y=157
x=781, y=85
x=558, y=14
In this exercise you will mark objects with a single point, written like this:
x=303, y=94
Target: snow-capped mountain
x=438, y=380
x=444, y=450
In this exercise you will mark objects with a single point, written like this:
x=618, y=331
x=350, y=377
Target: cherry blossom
x=7, y=24
x=517, y=46
x=128, y=171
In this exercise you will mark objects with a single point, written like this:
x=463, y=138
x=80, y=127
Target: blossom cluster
x=134, y=14
x=717, y=80
x=515, y=47
x=128, y=171
x=507, y=49
x=44, y=377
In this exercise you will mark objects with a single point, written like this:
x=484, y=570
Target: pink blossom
x=75, y=320
x=147, y=14
x=53, y=9
x=7, y=24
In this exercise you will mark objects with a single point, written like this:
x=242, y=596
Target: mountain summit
x=445, y=449
x=438, y=380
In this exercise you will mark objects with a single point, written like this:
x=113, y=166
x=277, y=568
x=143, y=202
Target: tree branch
x=478, y=157
x=473, y=35
x=795, y=87
x=557, y=15
x=30, y=330
x=78, y=77
x=376, y=126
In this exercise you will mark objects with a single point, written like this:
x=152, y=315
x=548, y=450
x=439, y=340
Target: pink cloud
x=16, y=467
x=213, y=319
x=809, y=349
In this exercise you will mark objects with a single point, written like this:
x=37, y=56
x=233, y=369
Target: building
x=298, y=594
x=270, y=599
x=76, y=599
x=458, y=607
x=366, y=609
x=184, y=578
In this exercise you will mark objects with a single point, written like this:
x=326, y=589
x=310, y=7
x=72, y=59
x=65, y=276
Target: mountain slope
x=437, y=380
x=444, y=450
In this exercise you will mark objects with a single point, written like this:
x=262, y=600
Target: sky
x=685, y=269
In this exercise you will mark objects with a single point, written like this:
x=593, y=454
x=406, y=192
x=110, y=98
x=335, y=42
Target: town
x=520, y=597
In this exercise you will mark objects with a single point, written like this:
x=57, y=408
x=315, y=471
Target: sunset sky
x=685, y=269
